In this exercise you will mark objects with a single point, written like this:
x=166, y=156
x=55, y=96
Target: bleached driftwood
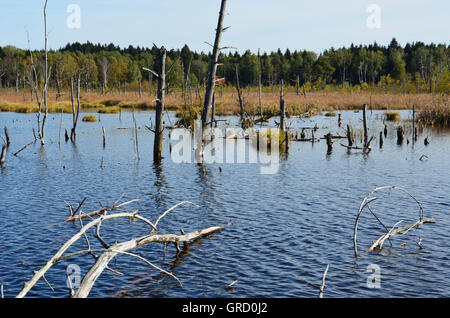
x=83, y=216
x=322, y=287
x=111, y=251
x=389, y=233
x=401, y=230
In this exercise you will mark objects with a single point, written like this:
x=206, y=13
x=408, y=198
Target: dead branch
x=99, y=211
x=95, y=271
x=111, y=251
x=322, y=287
x=401, y=230
x=378, y=244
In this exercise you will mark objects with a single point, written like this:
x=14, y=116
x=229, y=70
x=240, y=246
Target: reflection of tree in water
x=162, y=189
x=207, y=186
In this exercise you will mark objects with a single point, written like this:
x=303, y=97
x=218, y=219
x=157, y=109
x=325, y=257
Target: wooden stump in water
x=3, y=155
x=385, y=131
x=303, y=134
x=329, y=142
x=339, y=120
x=66, y=137
x=381, y=140
x=366, y=134
x=400, y=135
x=8, y=142
x=426, y=142
x=350, y=136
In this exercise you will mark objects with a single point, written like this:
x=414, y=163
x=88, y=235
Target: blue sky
x=267, y=24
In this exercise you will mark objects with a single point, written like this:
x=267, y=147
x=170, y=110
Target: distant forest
x=415, y=68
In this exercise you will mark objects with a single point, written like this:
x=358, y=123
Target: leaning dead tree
x=111, y=251
x=211, y=80
x=378, y=244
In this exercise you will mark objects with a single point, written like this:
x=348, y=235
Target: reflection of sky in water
x=290, y=224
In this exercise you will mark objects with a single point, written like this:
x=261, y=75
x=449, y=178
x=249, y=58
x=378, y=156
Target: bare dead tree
x=75, y=111
x=238, y=89
x=211, y=81
x=260, y=84
x=282, y=109
x=160, y=103
x=46, y=76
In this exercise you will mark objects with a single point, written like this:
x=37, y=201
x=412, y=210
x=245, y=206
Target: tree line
x=416, y=67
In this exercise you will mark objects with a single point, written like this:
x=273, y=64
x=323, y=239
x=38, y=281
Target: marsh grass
x=89, y=118
x=436, y=115
x=227, y=103
x=270, y=135
x=392, y=116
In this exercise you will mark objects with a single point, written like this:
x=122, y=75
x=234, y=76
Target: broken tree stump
x=8, y=141
x=329, y=137
x=400, y=135
x=350, y=135
x=3, y=155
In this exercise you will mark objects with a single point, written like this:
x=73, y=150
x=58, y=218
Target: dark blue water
x=289, y=226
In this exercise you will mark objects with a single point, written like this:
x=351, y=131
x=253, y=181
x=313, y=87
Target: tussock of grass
x=270, y=135
x=392, y=116
x=330, y=114
x=109, y=110
x=436, y=115
x=186, y=118
x=89, y=118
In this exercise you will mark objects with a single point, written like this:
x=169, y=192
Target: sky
x=268, y=25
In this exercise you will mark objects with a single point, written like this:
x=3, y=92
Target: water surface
x=289, y=225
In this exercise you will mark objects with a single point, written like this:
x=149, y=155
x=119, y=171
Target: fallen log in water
x=111, y=251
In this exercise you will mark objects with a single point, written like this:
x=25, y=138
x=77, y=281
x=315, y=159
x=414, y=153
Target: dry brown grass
x=438, y=114
x=227, y=103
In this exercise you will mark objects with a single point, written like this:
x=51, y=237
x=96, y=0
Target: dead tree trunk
x=46, y=77
x=160, y=101
x=260, y=84
x=366, y=140
x=329, y=137
x=238, y=88
x=8, y=141
x=75, y=111
x=414, y=124
x=282, y=109
x=400, y=135
x=211, y=81
x=3, y=155
x=350, y=136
